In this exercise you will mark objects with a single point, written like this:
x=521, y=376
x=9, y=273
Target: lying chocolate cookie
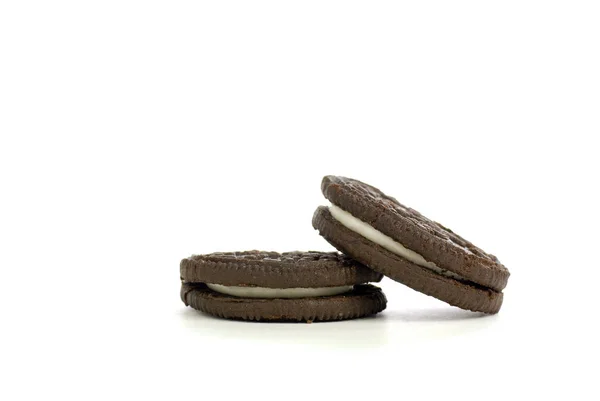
x=380, y=232
x=271, y=286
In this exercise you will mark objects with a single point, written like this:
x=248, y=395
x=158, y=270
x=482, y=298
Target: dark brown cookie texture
x=363, y=300
x=276, y=270
x=282, y=271
x=464, y=275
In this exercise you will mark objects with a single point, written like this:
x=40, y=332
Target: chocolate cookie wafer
x=271, y=286
x=381, y=233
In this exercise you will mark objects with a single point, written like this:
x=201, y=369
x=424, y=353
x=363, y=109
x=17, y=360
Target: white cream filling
x=262, y=292
x=370, y=233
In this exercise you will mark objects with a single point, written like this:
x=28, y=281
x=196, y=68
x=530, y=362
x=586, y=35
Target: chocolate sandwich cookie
x=381, y=233
x=271, y=286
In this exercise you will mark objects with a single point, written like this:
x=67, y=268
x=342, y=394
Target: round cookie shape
x=276, y=270
x=429, y=239
x=363, y=300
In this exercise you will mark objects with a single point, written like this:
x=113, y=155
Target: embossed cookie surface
x=380, y=232
x=271, y=286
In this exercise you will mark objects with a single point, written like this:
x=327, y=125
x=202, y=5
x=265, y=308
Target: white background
x=134, y=134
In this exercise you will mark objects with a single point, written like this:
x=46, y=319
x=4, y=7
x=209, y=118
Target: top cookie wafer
x=431, y=240
x=276, y=270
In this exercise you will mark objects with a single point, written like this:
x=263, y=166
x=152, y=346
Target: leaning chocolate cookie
x=271, y=286
x=381, y=233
